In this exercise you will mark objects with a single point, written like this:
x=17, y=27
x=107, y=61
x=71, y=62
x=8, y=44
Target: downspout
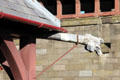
x=92, y=43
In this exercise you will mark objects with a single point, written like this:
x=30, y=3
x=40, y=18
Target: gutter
x=31, y=22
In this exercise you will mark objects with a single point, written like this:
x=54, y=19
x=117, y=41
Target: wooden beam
x=28, y=54
x=13, y=57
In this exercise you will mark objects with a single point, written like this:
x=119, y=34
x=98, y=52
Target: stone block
x=59, y=67
x=80, y=21
x=68, y=73
x=115, y=29
x=86, y=73
x=41, y=51
x=102, y=73
x=115, y=45
x=83, y=78
x=69, y=78
x=75, y=67
x=57, y=79
x=116, y=78
x=116, y=73
x=80, y=61
x=105, y=33
x=39, y=68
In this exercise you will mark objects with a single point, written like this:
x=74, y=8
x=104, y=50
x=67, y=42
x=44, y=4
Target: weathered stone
x=102, y=73
x=59, y=67
x=116, y=78
x=39, y=68
x=41, y=51
x=85, y=73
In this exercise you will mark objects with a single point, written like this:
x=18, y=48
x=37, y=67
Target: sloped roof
x=21, y=11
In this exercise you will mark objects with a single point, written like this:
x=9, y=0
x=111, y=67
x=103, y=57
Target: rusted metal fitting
x=77, y=39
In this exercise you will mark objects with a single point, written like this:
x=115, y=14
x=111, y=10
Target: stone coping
x=90, y=21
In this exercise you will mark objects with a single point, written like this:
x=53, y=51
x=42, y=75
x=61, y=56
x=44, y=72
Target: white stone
x=59, y=67
x=85, y=73
x=39, y=68
x=41, y=51
x=18, y=47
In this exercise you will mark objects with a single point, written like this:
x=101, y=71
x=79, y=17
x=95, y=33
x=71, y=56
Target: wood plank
x=17, y=7
x=28, y=54
x=3, y=3
x=13, y=7
x=19, y=2
x=24, y=15
x=13, y=57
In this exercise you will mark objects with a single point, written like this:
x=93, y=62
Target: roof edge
x=31, y=22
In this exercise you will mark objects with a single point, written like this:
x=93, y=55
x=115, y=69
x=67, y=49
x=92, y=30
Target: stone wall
x=80, y=64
